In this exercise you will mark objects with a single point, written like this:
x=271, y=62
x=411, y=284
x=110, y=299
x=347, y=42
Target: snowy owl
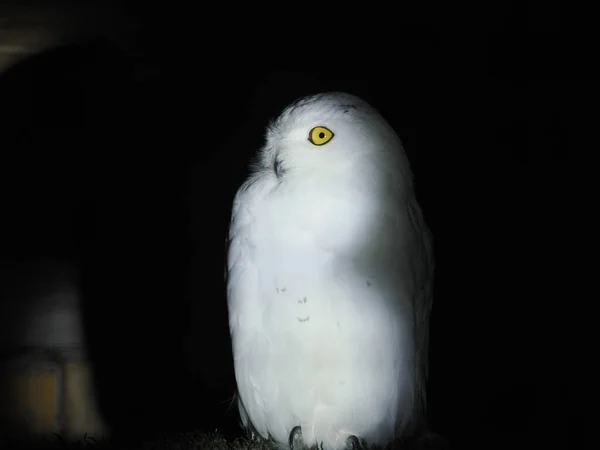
x=329, y=281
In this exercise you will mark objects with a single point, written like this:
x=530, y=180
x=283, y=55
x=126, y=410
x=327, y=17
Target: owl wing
x=245, y=311
x=424, y=270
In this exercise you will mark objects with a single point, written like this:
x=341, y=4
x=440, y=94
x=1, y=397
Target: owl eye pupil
x=321, y=135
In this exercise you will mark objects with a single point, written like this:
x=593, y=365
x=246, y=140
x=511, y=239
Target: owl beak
x=277, y=167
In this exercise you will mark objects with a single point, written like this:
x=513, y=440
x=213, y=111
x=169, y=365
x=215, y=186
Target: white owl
x=329, y=281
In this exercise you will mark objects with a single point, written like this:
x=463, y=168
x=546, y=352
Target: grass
x=174, y=441
x=194, y=440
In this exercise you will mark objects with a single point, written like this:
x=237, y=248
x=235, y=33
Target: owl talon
x=296, y=441
x=354, y=443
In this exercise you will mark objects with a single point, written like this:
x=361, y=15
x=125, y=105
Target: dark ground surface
x=126, y=162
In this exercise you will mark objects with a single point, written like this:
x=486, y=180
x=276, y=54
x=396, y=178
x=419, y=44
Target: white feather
x=329, y=280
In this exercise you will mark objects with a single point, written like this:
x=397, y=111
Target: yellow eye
x=320, y=135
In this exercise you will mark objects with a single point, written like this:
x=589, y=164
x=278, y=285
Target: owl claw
x=354, y=443
x=296, y=441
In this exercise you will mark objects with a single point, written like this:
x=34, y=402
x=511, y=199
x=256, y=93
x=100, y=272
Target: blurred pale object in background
x=46, y=385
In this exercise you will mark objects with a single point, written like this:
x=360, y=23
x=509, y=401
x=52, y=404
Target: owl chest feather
x=312, y=295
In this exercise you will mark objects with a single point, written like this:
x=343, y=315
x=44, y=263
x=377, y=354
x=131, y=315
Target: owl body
x=329, y=280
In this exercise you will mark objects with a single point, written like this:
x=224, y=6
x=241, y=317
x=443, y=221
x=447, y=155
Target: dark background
x=124, y=158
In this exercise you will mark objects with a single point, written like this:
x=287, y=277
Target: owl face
x=329, y=135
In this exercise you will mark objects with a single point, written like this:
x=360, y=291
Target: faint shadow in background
x=92, y=165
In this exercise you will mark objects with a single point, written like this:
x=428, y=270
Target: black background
x=125, y=160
